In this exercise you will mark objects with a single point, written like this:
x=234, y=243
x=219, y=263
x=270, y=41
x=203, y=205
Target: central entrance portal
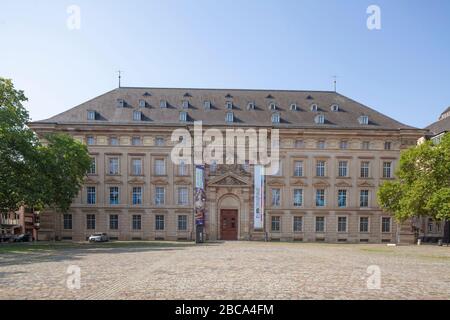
x=228, y=224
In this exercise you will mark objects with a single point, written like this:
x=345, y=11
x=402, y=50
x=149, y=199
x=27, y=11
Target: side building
x=334, y=154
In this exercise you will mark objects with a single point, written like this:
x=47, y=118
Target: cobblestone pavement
x=231, y=270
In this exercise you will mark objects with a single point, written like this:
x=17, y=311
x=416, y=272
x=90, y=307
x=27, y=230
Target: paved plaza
x=230, y=270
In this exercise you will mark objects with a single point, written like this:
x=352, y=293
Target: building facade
x=334, y=154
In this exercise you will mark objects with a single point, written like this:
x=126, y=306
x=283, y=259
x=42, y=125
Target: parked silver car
x=98, y=237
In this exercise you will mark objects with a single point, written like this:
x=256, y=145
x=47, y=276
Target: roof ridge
x=230, y=89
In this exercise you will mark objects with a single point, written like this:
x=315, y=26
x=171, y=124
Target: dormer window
x=276, y=118
x=183, y=116
x=319, y=119
x=91, y=115
x=251, y=106
x=185, y=104
x=314, y=107
x=120, y=103
x=293, y=107
x=229, y=105
x=163, y=104
x=363, y=120
x=229, y=117
x=142, y=103
x=137, y=115
x=207, y=104
x=334, y=108
x=273, y=106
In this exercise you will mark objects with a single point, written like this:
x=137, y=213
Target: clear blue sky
x=402, y=70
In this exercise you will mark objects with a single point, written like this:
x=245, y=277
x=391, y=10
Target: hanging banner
x=199, y=195
x=258, y=211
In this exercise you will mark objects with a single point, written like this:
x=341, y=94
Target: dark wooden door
x=228, y=224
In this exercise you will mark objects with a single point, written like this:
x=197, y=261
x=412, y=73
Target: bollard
x=440, y=242
x=419, y=242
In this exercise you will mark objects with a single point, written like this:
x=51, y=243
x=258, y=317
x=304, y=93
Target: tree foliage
x=423, y=185
x=31, y=173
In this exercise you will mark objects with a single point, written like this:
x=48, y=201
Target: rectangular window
x=298, y=168
x=182, y=223
x=276, y=197
x=160, y=167
x=320, y=224
x=137, y=195
x=136, y=165
x=387, y=172
x=90, y=140
x=298, y=197
x=275, y=225
x=67, y=221
x=320, y=168
x=298, y=224
x=342, y=198
x=182, y=196
x=321, y=144
x=343, y=145
x=114, y=141
x=385, y=224
x=91, y=115
x=364, y=224
x=364, y=169
x=229, y=117
x=365, y=145
x=113, y=165
x=91, y=195
x=159, y=141
x=342, y=224
x=159, y=222
x=93, y=166
x=90, y=221
x=159, y=196
x=320, y=197
x=137, y=116
x=387, y=145
x=342, y=168
x=113, y=222
x=113, y=195
x=136, y=141
x=136, y=222
x=182, y=168
x=364, y=198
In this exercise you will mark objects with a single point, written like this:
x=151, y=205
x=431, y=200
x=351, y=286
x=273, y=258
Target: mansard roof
x=442, y=125
x=116, y=107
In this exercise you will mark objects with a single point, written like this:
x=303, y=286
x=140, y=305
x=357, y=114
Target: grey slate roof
x=440, y=126
x=108, y=113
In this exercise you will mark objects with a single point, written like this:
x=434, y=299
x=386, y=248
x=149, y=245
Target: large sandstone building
x=334, y=154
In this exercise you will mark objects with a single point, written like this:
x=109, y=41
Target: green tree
x=31, y=173
x=423, y=185
x=63, y=164
x=17, y=148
